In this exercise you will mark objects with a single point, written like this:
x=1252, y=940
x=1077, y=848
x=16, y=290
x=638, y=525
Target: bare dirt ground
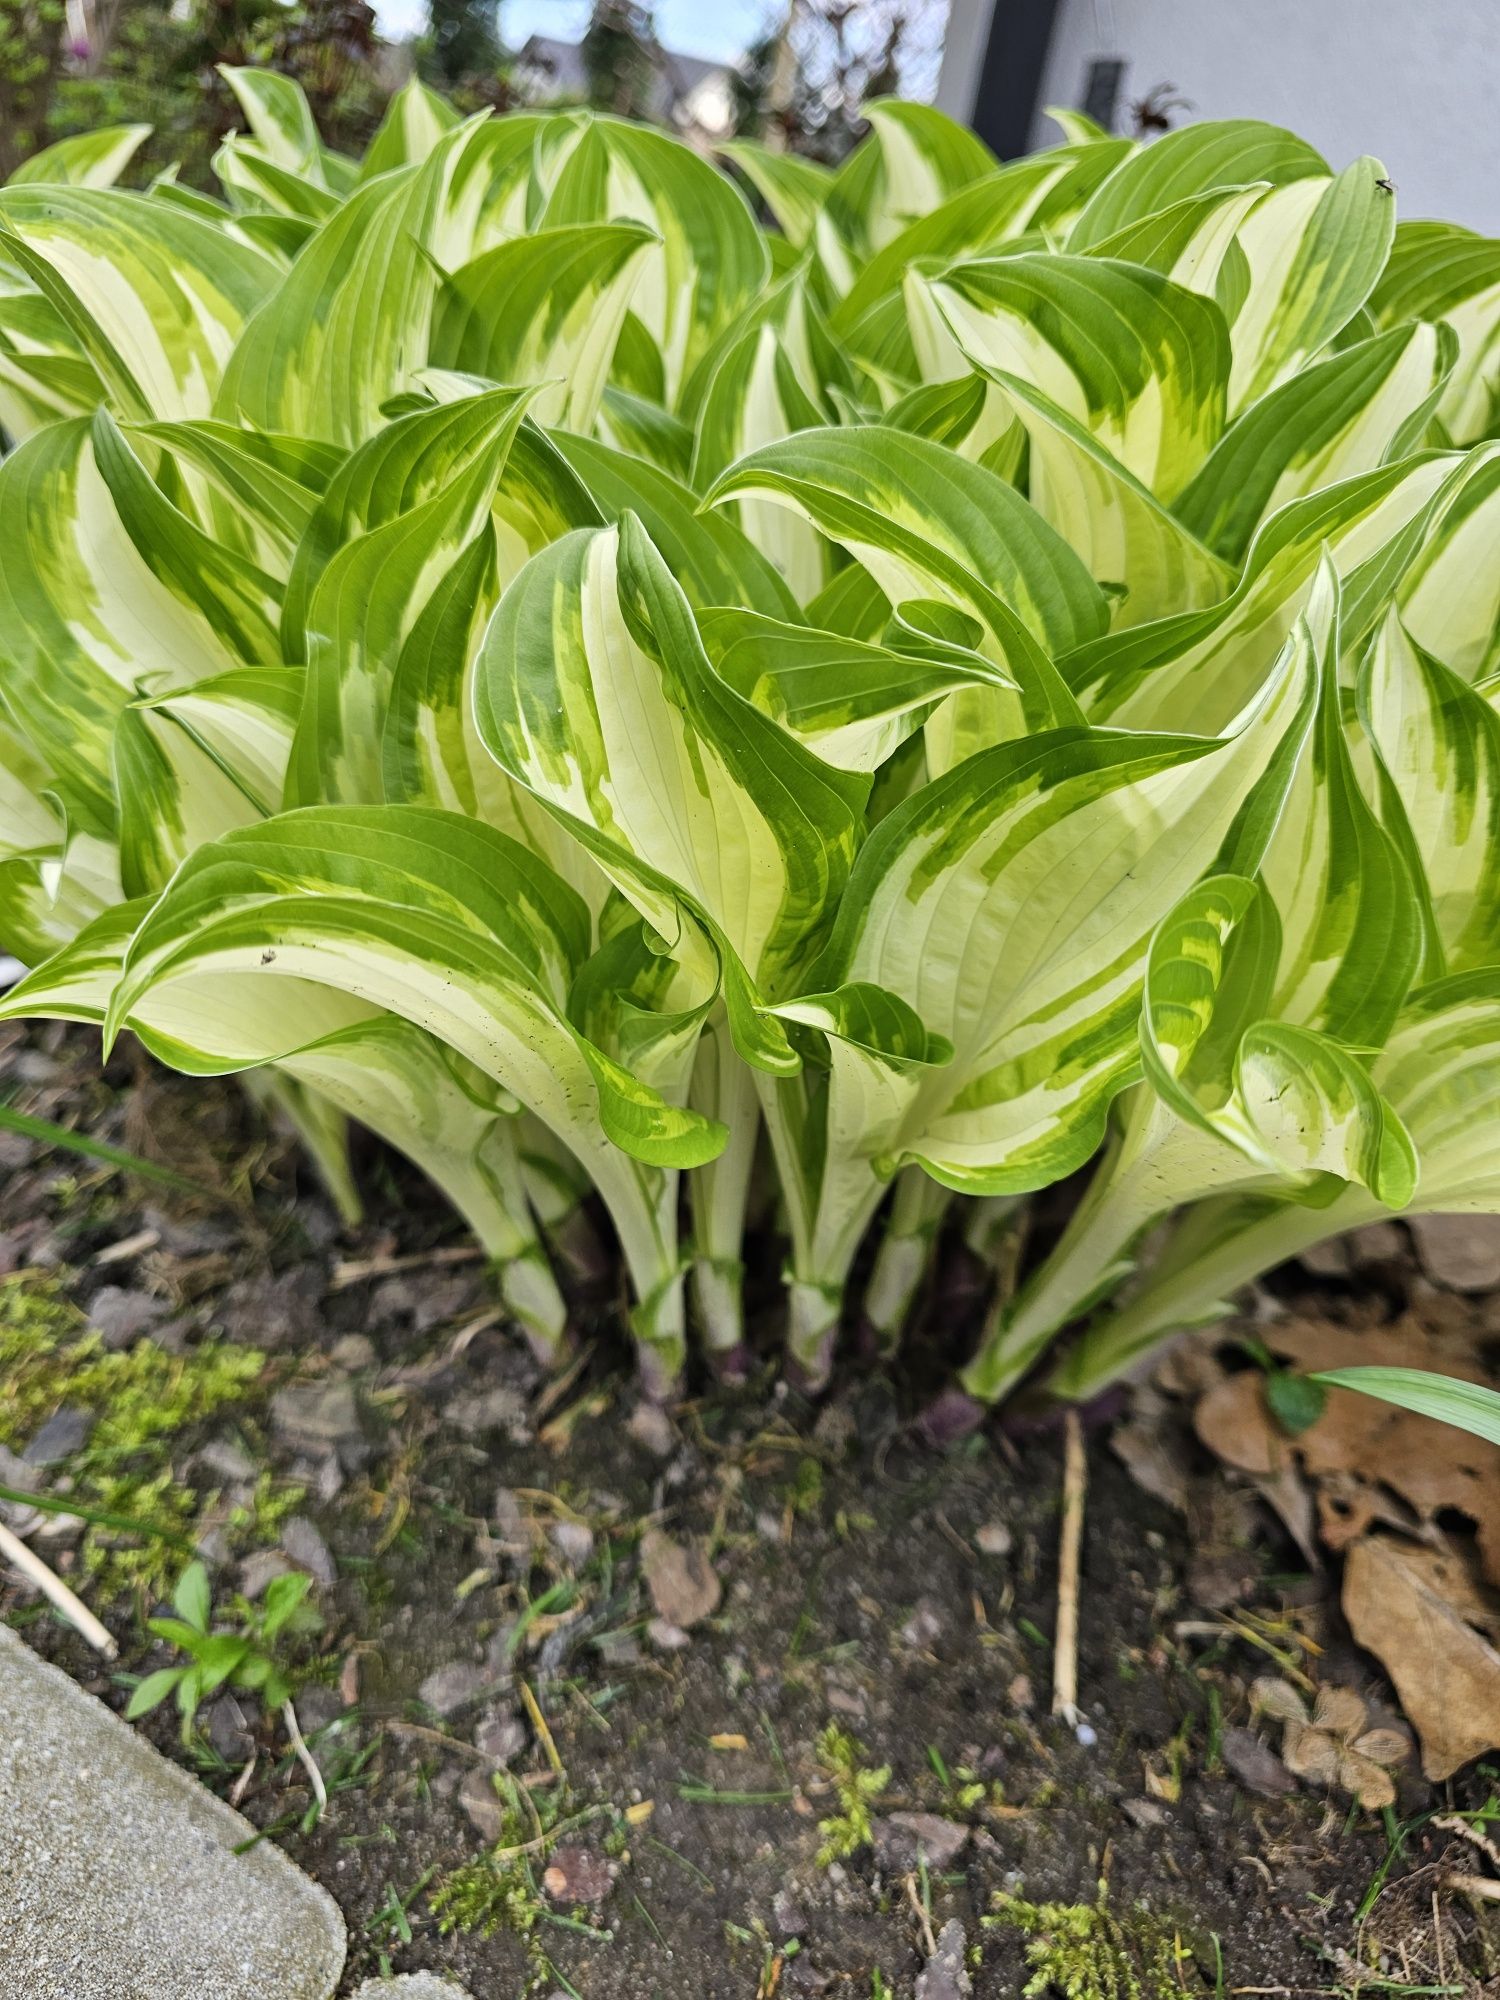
x=738, y=1700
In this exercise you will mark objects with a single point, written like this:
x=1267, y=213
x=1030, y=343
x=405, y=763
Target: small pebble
x=448, y=1689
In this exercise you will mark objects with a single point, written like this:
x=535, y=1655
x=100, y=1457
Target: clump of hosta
x=641, y=677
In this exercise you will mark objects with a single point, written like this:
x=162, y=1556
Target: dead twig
x=305, y=1757
x=353, y=1271
x=52, y=1587
x=128, y=1247
x=1453, y=1823
x=924, y=1921
x=1065, y=1648
x=242, y=1782
x=1481, y=1886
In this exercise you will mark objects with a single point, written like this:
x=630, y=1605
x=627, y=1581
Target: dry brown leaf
x=1387, y=1747
x=1446, y=1673
x=1278, y=1699
x=1365, y=1781
x=1340, y=1711
x=1311, y=1754
x=1335, y=1748
x=1363, y=1455
x=1150, y=1448
x=1287, y=1494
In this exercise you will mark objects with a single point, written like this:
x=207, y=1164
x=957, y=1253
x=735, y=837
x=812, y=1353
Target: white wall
x=1416, y=82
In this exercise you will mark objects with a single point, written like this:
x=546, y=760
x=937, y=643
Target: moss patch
x=142, y=1399
x=1086, y=1951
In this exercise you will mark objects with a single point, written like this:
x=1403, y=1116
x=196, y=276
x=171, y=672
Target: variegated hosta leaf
x=1347, y=414
x=1351, y=919
x=410, y=1089
x=1194, y=160
x=75, y=982
x=918, y=159
x=852, y=702
x=1230, y=1101
x=1437, y=270
x=279, y=116
x=240, y=603
x=84, y=620
x=371, y=594
x=1190, y=241
x=1140, y=362
x=267, y=195
x=544, y=310
x=411, y=463
x=348, y=327
x=962, y=906
x=995, y=209
x=1440, y=1074
x=44, y=374
x=415, y=119
x=192, y=764
x=1142, y=555
x=642, y=429
x=85, y=159
x=261, y=490
x=442, y=1113
x=793, y=189
x=711, y=262
x=1315, y=251
x=1439, y=745
x=155, y=297
x=925, y=523
x=594, y=692
x=1449, y=592
x=447, y=924
x=757, y=397
x=1204, y=665
x=1292, y=1101
x=53, y=880
x=430, y=752
x=710, y=556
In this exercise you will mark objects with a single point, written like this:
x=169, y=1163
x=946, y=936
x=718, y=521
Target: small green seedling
x=244, y=1657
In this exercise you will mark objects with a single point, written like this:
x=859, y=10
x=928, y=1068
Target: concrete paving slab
x=118, y=1876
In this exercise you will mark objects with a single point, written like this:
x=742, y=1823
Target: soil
x=487, y=1519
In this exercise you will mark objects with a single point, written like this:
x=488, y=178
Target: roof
x=562, y=65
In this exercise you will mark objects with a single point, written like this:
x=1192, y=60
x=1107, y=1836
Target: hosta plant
x=805, y=706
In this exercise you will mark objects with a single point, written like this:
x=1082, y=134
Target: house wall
x=1416, y=82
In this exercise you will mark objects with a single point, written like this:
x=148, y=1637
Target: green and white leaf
x=1315, y=250
x=1346, y=414
x=84, y=159
x=544, y=311
x=156, y=297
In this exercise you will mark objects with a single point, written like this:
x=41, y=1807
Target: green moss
x=142, y=1398
x=140, y=1395
x=498, y=1890
x=857, y=1787
x=1084, y=1951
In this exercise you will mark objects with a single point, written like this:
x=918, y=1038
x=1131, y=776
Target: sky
x=721, y=29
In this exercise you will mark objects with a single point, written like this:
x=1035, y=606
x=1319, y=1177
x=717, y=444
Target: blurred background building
x=1416, y=82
